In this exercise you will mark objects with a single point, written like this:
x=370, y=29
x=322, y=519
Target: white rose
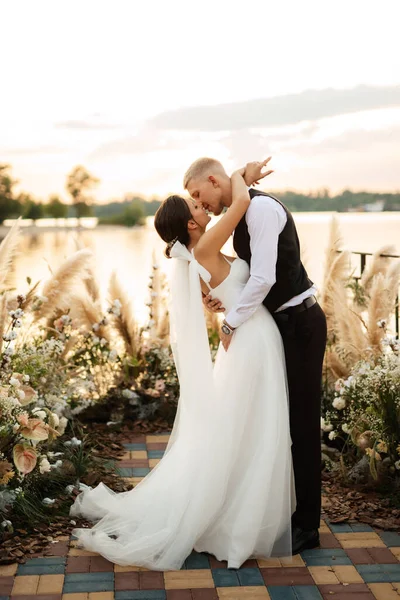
x=15, y=382
x=55, y=419
x=332, y=435
x=345, y=428
x=339, y=403
x=40, y=414
x=62, y=425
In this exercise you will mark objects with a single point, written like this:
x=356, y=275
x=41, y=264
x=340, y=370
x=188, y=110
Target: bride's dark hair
x=171, y=221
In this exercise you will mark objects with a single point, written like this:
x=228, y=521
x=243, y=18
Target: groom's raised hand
x=253, y=171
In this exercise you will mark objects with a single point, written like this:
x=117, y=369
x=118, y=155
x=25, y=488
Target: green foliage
x=56, y=208
x=32, y=210
x=133, y=214
x=79, y=182
x=9, y=206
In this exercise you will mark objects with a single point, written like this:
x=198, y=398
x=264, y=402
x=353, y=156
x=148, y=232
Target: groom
x=266, y=238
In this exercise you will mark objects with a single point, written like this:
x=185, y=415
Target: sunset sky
x=136, y=90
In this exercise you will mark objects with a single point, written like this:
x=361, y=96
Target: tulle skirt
x=224, y=487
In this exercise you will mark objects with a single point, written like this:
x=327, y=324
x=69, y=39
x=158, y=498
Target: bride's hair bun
x=169, y=247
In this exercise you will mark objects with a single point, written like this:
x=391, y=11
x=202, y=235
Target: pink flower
x=25, y=458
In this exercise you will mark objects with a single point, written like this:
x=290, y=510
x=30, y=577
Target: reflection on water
x=129, y=251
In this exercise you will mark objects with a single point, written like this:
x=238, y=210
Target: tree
x=56, y=208
x=133, y=214
x=32, y=210
x=79, y=181
x=9, y=205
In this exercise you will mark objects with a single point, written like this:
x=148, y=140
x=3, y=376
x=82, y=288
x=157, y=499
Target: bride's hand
x=253, y=171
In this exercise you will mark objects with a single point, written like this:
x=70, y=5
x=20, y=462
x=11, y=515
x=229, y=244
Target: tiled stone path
x=353, y=563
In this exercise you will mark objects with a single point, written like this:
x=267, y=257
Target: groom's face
x=208, y=193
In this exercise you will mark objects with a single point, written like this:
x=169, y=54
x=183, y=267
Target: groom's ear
x=212, y=180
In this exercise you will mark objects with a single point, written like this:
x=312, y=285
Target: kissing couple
x=241, y=474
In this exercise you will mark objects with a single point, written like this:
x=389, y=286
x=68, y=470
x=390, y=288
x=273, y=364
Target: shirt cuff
x=233, y=319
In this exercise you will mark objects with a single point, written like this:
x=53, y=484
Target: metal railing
x=363, y=264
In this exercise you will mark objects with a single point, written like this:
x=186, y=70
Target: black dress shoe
x=304, y=539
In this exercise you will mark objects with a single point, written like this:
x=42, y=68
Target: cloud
x=309, y=105
x=33, y=150
x=84, y=125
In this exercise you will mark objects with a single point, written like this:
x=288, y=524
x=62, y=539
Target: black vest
x=291, y=276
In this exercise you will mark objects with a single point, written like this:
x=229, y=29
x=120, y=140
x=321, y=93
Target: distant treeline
x=133, y=209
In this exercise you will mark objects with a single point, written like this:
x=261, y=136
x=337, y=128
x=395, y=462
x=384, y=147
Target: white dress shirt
x=265, y=220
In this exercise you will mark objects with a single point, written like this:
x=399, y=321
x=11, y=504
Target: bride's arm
x=215, y=237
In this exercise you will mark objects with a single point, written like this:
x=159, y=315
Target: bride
x=225, y=483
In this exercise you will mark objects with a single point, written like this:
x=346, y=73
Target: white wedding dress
x=225, y=484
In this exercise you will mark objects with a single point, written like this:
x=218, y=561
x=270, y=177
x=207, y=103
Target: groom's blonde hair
x=202, y=167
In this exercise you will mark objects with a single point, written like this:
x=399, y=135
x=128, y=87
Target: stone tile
x=292, y=561
x=340, y=528
x=383, y=591
x=390, y=538
x=50, y=584
x=307, y=592
x=6, y=585
x=132, y=447
x=155, y=453
x=78, y=564
x=361, y=527
x=8, y=570
x=179, y=595
x=139, y=454
x=382, y=555
x=250, y=576
x=347, y=574
x=323, y=527
x=38, y=597
x=226, y=577
x=151, y=580
x=379, y=573
x=217, y=564
x=78, y=596
x=323, y=575
x=81, y=552
x=279, y=592
x=197, y=560
x=58, y=549
x=141, y=595
x=269, y=563
x=187, y=579
x=126, y=456
x=352, y=591
x=101, y=595
x=156, y=446
x=140, y=471
x=360, y=556
x=250, y=563
x=328, y=540
x=360, y=540
x=154, y=439
x=204, y=594
x=244, y=592
x=153, y=462
x=127, y=581
x=124, y=471
x=25, y=584
x=89, y=582
x=287, y=576
x=319, y=557
x=40, y=566
x=395, y=551
x=100, y=564
x=137, y=462
x=128, y=568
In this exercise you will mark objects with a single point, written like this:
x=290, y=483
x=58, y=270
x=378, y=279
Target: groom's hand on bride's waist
x=212, y=304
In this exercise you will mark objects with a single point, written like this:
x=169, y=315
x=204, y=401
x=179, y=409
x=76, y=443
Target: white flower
x=397, y=464
x=103, y=342
x=11, y=335
x=20, y=394
x=129, y=394
x=348, y=381
x=325, y=426
x=18, y=323
x=48, y=501
x=63, y=424
x=15, y=382
x=26, y=378
x=6, y=523
x=45, y=466
x=96, y=339
x=72, y=522
x=43, y=380
x=345, y=428
x=9, y=351
x=113, y=355
x=57, y=464
x=332, y=435
x=96, y=327
x=40, y=414
x=154, y=294
x=18, y=313
x=55, y=419
x=339, y=403
x=16, y=427
x=382, y=323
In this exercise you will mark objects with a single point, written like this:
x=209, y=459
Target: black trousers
x=304, y=340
